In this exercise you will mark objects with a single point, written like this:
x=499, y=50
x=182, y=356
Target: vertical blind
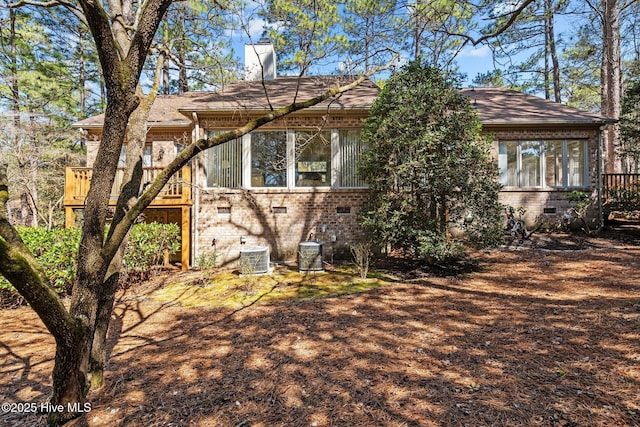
x=223, y=165
x=350, y=149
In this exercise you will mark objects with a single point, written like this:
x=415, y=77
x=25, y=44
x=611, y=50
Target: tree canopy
x=426, y=179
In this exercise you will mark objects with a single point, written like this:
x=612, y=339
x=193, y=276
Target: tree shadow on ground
x=531, y=338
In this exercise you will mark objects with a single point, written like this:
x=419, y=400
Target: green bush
x=429, y=169
x=435, y=249
x=56, y=251
x=148, y=243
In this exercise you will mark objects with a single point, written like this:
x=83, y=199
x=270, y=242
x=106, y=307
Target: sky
x=472, y=60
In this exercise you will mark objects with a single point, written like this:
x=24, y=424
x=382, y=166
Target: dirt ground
x=541, y=333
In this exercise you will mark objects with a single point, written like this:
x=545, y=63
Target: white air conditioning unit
x=254, y=260
x=310, y=256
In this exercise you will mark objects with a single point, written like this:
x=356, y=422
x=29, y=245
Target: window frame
x=543, y=145
x=297, y=157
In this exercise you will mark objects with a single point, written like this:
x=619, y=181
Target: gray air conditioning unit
x=310, y=256
x=254, y=260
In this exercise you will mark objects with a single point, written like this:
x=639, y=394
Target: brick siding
x=280, y=219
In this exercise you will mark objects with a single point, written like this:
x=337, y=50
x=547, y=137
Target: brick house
x=295, y=179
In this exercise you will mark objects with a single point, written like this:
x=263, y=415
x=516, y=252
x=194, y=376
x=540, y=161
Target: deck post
x=69, y=217
x=186, y=236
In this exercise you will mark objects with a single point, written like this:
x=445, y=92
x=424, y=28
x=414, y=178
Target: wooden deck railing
x=614, y=183
x=176, y=192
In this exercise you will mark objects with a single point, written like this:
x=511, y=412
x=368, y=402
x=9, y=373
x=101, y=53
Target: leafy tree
x=435, y=25
x=630, y=126
x=581, y=73
x=192, y=37
x=305, y=32
x=373, y=29
x=34, y=138
x=493, y=78
x=532, y=33
x=428, y=167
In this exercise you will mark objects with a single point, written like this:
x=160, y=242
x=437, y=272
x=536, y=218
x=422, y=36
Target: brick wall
x=280, y=219
x=327, y=121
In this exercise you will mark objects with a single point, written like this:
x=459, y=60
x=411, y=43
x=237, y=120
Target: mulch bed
x=529, y=335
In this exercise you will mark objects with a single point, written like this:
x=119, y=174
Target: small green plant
x=208, y=262
x=57, y=249
x=579, y=211
x=362, y=253
x=435, y=249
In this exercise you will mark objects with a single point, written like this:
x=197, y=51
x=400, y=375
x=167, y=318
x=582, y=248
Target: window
x=553, y=164
x=313, y=159
x=147, y=156
x=556, y=163
x=350, y=149
x=286, y=159
x=576, y=164
x=223, y=164
x=269, y=159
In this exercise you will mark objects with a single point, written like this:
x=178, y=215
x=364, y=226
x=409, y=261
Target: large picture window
x=269, y=159
x=302, y=159
x=555, y=163
x=313, y=159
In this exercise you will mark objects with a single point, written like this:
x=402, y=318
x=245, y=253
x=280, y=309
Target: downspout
x=195, y=174
x=599, y=185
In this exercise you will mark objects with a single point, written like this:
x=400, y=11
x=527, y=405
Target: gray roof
x=496, y=106
x=282, y=91
x=175, y=110
x=501, y=106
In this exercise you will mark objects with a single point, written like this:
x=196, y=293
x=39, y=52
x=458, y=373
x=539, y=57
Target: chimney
x=260, y=60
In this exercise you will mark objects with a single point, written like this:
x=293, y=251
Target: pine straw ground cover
x=531, y=337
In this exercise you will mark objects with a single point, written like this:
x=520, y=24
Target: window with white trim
x=269, y=159
x=553, y=163
x=313, y=159
x=223, y=164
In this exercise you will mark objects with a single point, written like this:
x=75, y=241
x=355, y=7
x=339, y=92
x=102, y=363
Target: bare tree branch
x=513, y=15
x=74, y=9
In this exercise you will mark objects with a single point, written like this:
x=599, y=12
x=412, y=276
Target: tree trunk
x=99, y=357
x=136, y=138
x=21, y=269
x=15, y=89
x=82, y=80
x=547, y=48
x=553, y=53
x=611, y=81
